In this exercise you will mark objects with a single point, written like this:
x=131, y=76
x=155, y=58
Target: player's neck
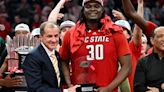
x=93, y=25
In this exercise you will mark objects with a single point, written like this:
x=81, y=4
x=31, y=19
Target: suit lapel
x=49, y=64
x=47, y=60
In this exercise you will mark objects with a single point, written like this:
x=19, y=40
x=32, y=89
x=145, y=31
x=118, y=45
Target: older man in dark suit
x=42, y=75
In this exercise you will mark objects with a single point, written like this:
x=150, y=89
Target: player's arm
x=123, y=73
x=132, y=14
x=64, y=53
x=66, y=72
x=137, y=32
x=124, y=58
x=121, y=76
x=54, y=14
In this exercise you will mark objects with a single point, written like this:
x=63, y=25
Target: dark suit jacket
x=39, y=72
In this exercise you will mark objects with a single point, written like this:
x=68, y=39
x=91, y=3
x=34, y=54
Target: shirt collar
x=49, y=53
x=157, y=56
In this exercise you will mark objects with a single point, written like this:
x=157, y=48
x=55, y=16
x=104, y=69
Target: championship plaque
x=86, y=88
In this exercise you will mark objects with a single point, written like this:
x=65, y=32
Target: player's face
x=158, y=40
x=144, y=47
x=125, y=32
x=64, y=30
x=50, y=38
x=21, y=33
x=93, y=10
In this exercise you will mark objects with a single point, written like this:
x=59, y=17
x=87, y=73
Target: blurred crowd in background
x=34, y=12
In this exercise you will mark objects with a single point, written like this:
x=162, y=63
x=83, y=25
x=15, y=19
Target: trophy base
x=86, y=88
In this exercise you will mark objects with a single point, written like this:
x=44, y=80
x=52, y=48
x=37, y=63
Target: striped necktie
x=56, y=68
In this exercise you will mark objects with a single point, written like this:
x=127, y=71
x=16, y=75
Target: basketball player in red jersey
x=95, y=46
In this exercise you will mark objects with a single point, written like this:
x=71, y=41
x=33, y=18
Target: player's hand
x=140, y=1
x=118, y=15
x=60, y=16
x=103, y=89
x=152, y=89
x=63, y=2
x=9, y=81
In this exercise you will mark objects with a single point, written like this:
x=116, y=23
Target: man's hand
x=103, y=89
x=60, y=16
x=118, y=15
x=140, y=2
x=63, y=2
x=12, y=82
x=152, y=89
x=73, y=88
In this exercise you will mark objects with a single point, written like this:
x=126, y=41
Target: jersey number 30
x=95, y=52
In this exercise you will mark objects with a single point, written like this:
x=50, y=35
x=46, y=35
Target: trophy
x=17, y=49
x=24, y=44
x=85, y=75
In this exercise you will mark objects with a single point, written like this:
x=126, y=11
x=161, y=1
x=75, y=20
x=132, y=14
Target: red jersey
x=135, y=54
x=96, y=59
x=150, y=27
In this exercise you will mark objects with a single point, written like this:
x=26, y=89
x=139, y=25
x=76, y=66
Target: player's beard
x=94, y=20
